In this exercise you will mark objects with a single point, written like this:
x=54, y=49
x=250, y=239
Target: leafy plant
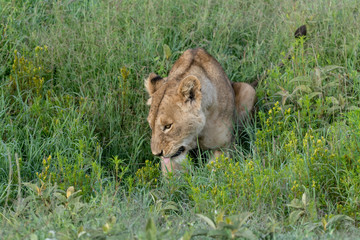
x=148, y=175
x=152, y=233
x=226, y=227
x=27, y=75
x=305, y=210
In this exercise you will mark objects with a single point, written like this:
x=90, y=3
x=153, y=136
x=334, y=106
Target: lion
x=196, y=105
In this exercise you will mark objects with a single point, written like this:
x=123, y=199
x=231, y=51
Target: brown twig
x=9, y=182
x=19, y=177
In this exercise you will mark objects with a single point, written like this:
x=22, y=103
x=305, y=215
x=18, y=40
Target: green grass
x=71, y=87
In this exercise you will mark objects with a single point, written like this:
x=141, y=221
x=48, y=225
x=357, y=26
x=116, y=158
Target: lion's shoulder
x=193, y=60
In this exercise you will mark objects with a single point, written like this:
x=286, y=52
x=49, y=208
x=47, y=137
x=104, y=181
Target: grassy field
x=75, y=158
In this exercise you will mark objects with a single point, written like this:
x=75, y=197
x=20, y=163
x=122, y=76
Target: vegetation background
x=75, y=160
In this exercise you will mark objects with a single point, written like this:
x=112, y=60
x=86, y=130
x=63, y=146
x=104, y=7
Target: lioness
x=196, y=105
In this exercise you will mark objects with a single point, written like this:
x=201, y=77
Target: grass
x=73, y=118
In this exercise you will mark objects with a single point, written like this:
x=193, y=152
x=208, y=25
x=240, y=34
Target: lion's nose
x=159, y=154
x=156, y=149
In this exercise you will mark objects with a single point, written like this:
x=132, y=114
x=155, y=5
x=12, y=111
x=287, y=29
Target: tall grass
x=72, y=107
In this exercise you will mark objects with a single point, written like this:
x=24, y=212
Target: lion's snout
x=160, y=149
x=159, y=154
x=155, y=149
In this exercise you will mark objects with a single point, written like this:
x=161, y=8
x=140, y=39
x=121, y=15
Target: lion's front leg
x=216, y=154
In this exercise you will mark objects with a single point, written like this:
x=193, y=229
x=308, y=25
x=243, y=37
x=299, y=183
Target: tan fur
x=195, y=105
x=245, y=98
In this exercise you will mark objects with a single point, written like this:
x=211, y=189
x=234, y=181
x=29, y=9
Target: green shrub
x=83, y=173
x=29, y=76
x=148, y=175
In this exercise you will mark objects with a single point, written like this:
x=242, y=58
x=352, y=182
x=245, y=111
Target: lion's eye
x=168, y=126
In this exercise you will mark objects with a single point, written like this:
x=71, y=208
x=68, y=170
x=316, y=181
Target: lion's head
x=175, y=117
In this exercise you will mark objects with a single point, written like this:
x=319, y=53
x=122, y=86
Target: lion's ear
x=152, y=83
x=190, y=89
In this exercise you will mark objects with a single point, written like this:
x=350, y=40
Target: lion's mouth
x=180, y=151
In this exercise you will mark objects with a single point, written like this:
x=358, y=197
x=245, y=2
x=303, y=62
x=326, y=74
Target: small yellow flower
x=70, y=191
x=124, y=73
